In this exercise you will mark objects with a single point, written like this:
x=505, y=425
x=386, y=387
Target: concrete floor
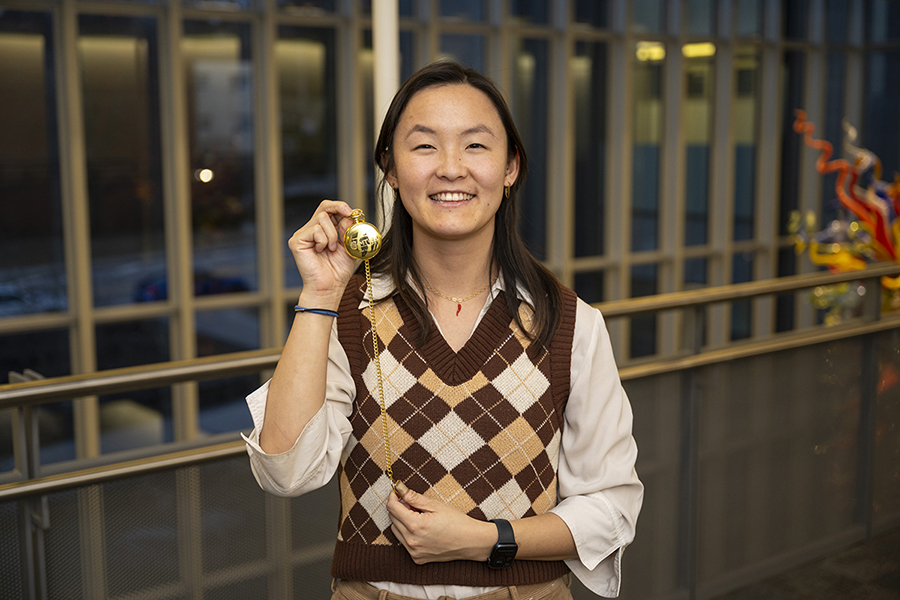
x=868, y=571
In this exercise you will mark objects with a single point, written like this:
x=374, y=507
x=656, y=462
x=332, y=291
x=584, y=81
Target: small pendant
x=458, y=308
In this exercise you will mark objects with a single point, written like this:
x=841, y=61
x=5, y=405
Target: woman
x=509, y=432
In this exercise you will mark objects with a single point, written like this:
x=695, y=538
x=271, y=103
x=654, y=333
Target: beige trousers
x=558, y=589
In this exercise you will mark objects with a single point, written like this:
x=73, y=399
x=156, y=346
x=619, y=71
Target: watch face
x=502, y=555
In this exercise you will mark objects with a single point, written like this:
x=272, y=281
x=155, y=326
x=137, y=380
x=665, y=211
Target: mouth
x=443, y=197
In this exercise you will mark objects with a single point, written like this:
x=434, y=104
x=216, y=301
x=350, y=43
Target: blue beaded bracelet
x=318, y=311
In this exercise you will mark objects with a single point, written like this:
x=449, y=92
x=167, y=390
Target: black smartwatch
x=505, y=549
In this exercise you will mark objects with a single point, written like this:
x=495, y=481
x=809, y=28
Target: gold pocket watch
x=362, y=241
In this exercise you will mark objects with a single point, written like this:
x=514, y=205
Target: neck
x=455, y=268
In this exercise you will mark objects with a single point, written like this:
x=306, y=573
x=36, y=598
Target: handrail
x=254, y=361
x=739, y=291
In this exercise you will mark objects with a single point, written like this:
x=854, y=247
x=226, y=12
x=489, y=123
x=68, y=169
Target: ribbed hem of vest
x=390, y=563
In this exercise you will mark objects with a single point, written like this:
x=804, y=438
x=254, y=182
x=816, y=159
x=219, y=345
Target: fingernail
x=401, y=489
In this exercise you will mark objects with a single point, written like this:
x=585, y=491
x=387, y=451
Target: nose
x=452, y=165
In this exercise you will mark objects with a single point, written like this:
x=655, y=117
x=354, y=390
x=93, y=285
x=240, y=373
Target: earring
x=396, y=194
x=506, y=190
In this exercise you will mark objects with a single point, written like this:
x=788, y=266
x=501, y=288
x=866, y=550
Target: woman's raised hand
x=318, y=249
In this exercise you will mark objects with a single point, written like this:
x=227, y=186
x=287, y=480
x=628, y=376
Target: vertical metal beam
x=76, y=226
x=269, y=177
x=560, y=192
x=177, y=204
x=351, y=160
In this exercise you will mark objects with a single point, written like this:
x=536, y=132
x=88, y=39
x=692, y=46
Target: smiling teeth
x=451, y=197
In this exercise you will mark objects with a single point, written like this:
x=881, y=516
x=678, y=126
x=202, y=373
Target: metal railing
x=24, y=396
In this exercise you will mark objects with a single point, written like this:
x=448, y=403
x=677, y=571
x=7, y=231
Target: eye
x=477, y=146
x=424, y=147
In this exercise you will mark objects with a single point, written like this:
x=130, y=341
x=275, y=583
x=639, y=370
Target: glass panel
x=588, y=68
x=833, y=131
x=647, y=134
x=222, y=406
x=467, y=50
x=886, y=460
x=367, y=72
x=405, y=8
x=749, y=17
x=592, y=12
x=407, y=54
x=464, y=10
x=529, y=107
x=120, y=91
x=648, y=16
x=534, y=11
x=32, y=267
x=695, y=273
x=589, y=286
x=796, y=19
x=142, y=417
x=701, y=17
x=696, y=120
x=883, y=109
x=219, y=87
x=644, y=282
x=46, y=353
x=230, y=5
x=741, y=310
x=784, y=303
x=308, y=8
x=746, y=132
x=780, y=451
x=883, y=19
x=792, y=82
x=306, y=84
x=838, y=17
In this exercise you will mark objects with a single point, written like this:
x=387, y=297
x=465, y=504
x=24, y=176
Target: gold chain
x=459, y=300
x=384, y=423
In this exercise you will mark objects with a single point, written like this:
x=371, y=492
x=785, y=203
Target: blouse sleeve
x=600, y=492
x=313, y=460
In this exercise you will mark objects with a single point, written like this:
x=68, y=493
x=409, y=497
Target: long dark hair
x=516, y=264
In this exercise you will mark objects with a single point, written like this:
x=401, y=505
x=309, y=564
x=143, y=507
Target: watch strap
x=505, y=549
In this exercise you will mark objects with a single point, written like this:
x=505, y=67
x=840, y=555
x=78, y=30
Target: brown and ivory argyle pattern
x=478, y=430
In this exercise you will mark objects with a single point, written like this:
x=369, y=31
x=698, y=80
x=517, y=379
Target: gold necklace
x=459, y=301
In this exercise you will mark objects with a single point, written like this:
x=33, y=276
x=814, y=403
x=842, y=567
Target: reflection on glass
x=696, y=121
x=832, y=130
x=407, y=54
x=644, y=282
x=45, y=353
x=792, y=84
x=588, y=68
x=307, y=8
x=746, y=65
x=32, y=268
x=589, y=286
x=534, y=11
x=749, y=17
x=308, y=101
x=837, y=13
x=592, y=12
x=529, y=107
x=741, y=310
x=120, y=92
x=222, y=406
x=647, y=134
x=885, y=14
x=695, y=273
x=138, y=418
x=219, y=87
x=701, y=17
x=467, y=50
x=648, y=16
x=464, y=10
x=796, y=19
x=883, y=109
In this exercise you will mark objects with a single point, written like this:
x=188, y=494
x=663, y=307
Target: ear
x=391, y=178
x=512, y=171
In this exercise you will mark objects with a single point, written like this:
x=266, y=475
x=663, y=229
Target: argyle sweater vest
x=479, y=430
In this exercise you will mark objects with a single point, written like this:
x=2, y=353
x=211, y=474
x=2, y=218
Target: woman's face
x=451, y=163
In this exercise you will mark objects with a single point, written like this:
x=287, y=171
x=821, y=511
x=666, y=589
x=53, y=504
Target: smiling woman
x=498, y=485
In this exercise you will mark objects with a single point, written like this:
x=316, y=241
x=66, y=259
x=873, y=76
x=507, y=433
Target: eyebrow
x=469, y=131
